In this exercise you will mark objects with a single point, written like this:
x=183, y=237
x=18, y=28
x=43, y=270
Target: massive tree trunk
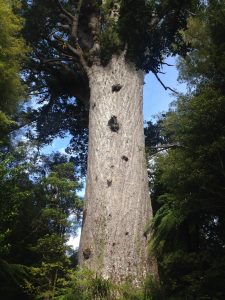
x=113, y=243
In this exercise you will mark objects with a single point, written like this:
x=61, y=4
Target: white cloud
x=75, y=241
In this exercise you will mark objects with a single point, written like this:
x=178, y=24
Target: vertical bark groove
x=117, y=204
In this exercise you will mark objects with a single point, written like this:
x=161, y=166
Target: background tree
x=39, y=209
x=12, y=52
x=189, y=179
x=56, y=220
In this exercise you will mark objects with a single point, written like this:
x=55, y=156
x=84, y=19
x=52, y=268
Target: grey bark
x=117, y=209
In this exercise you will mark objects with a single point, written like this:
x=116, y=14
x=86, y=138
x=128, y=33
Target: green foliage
x=109, y=36
x=189, y=178
x=156, y=33
x=110, y=42
x=86, y=285
x=34, y=226
x=6, y=125
x=12, y=278
x=50, y=272
x=191, y=199
x=12, y=53
x=47, y=280
x=12, y=199
x=206, y=34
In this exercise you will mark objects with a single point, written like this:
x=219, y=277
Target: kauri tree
x=89, y=58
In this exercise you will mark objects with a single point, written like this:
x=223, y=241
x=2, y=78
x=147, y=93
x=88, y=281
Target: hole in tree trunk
x=125, y=158
x=87, y=253
x=113, y=124
x=109, y=182
x=127, y=233
x=116, y=87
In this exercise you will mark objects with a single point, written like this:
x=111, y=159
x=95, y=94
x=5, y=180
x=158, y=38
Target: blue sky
x=156, y=98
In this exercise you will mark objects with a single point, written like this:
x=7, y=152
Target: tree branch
x=74, y=46
x=94, y=26
x=79, y=53
x=65, y=27
x=169, y=65
x=75, y=21
x=164, y=63
x=63, y=10
x=73, y=18
x=164, y=147
x=36, y=93
x=164, y=86
x=63, y=47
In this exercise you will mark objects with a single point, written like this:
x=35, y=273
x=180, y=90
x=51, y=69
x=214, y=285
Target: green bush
x=86, y=285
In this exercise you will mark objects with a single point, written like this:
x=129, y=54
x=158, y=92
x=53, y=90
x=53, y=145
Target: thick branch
x=74, y=26
x=94, y=26
x=52, y=61
x=79, y=53
x=73, y=46
x=71, y=19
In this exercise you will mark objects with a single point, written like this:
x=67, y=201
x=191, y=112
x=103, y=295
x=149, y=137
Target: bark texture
x=113, y=243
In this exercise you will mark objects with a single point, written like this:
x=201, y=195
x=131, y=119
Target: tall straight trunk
x=113, y=243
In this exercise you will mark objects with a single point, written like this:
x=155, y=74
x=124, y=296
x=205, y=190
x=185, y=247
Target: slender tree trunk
x=113, y=242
